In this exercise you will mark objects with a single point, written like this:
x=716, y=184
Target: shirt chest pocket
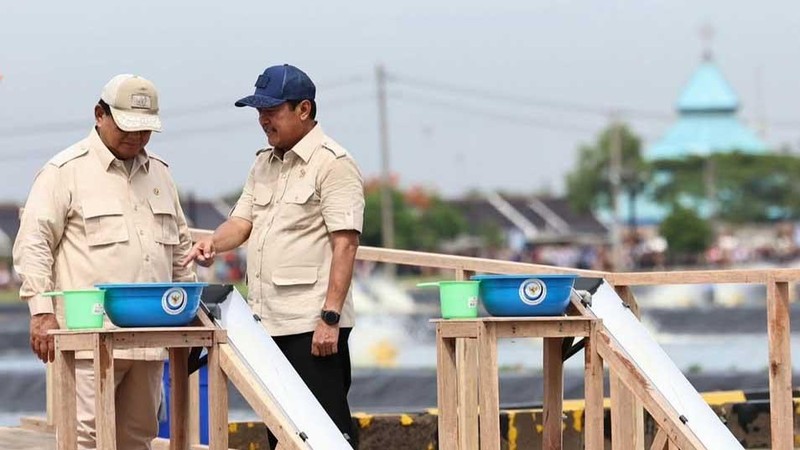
x=165, y=230
x=302, y=205
x=104, y=221
x=262, y=195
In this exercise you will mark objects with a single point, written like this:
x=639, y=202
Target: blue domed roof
x=708, y=90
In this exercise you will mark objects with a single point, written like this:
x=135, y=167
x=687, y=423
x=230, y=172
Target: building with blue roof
x=707, y=124
x=707, y=121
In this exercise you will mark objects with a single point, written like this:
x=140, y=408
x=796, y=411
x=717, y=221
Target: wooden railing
x=777, y=303
x=778, y=327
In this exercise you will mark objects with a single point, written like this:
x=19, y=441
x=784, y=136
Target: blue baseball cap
x=279, y=84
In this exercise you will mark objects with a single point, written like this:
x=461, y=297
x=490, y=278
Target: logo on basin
x=532, y=291
x=174, y=300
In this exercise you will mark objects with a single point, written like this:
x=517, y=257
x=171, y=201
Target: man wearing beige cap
x=105, y=210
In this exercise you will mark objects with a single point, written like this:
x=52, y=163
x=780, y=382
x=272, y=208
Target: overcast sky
x=455, y=64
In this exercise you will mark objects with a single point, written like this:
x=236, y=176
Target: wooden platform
x=14, y=438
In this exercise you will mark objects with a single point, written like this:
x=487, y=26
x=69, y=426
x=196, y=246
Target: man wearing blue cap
x=301, y=211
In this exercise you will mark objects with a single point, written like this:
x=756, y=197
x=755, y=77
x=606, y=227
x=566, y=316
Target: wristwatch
x=330, y=317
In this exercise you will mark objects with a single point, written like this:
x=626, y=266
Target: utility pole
x=615, y=177
x=387, y=209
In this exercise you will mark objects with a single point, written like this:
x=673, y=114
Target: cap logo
x=140, y=101
x=262, y=81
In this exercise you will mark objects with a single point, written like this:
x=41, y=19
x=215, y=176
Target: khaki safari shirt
x=88, y=221
x=293, y=204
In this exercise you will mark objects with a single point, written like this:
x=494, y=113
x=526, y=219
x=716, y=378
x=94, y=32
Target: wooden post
x=194, y=408
x=178, y=398
x=467, y=363
x=627, y=415
x=553, y=394
x=50, y=392
x=66, y=413
x=489, y=390
x=446, y=391
x=660, y=441
x=780, y=366
x=217, y=400
x=593, y=388
x=105, y=388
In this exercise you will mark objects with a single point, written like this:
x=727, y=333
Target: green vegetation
x=588, y=185
x=686, y=232
x=746, y=188
x=421, y=220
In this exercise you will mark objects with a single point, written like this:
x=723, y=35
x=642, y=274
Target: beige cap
x=134, y=103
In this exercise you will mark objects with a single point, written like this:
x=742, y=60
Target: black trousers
x=327, y=377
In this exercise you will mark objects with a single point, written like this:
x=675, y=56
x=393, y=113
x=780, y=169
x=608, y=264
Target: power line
x=506, y=118
x=485, y=94
x=181, y=111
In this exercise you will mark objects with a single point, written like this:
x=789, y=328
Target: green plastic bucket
x=458, y=299
x=82, y=308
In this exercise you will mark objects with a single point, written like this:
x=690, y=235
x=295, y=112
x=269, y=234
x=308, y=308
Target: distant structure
x=707, y=124
x=707, y=121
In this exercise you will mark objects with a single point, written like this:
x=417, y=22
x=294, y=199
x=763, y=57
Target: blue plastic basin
x=152, y=304
x=525, y=295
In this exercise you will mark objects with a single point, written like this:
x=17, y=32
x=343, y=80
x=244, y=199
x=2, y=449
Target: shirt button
x=135, y=207
x=258, y=275
x=147, y=258
x=141, y=232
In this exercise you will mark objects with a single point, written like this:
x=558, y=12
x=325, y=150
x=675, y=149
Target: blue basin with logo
x=151, y=304
x=525, y=295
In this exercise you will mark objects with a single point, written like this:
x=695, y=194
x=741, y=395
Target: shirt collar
x=308, y=144
x=106, y=158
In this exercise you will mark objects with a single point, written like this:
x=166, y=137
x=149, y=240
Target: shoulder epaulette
x=65, y=156
x=334, y=148
x=158, y=158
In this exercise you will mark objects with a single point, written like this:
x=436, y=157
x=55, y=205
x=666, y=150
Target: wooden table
x=102, y=342
x=466, y=352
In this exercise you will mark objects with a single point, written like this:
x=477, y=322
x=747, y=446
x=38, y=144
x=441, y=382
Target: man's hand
x=325, y=341
x=203, y=252
x=42, y=343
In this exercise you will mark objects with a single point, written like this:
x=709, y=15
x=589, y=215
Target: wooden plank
x=660, y=441
x=593, y=387
x=179, y=398
x=24, y=439
x=629, y=411
x=467, y=367
x=483, y=265
x=194, y=408
x=743, y=276
x=489, y=390
x=104, y=390
x=458, y=329
x=422, y=259
x=75, y=342
x=553, y=394
x=446, y=391
x=93, y=331
x=260, y=400
x=217, y=402
x=467, y=364
x=164, y=338
x=146, y=338
x=38, y=424
x=658, y=407
x=50, y=394
x=780, y=366
x=539, y=320
x=555, y=328
x=65, y=410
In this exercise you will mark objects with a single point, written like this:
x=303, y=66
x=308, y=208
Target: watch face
x=330, y=317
